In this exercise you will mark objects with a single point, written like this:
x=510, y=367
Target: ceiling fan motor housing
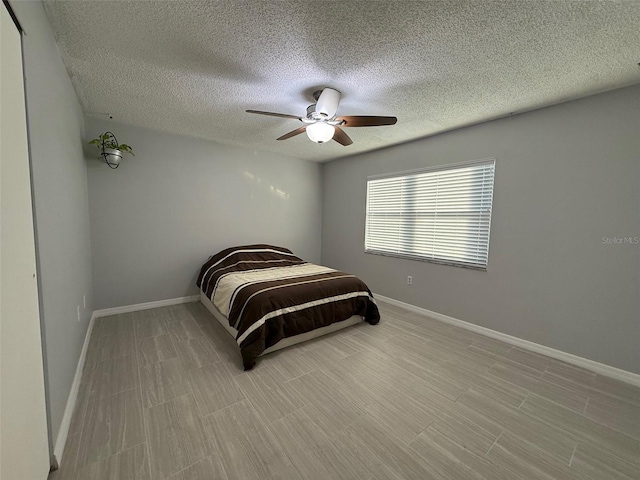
x=327, y=104
x=311, y=113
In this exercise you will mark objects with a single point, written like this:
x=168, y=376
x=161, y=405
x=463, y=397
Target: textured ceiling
x=194, y=67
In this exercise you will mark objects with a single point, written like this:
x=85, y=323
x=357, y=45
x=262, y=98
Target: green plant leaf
x=126, y=148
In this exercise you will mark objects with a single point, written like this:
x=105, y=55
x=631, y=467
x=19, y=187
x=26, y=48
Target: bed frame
x=285, y=342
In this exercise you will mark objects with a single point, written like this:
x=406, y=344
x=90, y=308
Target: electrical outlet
x=78, y=310
x=409, y=280
x=84, y=302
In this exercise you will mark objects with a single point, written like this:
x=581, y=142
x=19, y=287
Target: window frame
x=432, y=169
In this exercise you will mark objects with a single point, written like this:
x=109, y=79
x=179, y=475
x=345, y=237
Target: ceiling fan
x=321, y=121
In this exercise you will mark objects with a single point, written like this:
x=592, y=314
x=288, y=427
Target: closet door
x=24, y=450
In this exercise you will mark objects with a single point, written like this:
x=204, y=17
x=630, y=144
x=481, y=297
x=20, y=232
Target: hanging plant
x=110, y=149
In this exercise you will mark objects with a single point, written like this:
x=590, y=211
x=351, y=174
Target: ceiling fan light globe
x=320, y=132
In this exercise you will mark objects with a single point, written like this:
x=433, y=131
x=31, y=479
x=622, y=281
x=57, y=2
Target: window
x=439, y=215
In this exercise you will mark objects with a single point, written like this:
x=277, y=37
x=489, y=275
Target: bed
x=267, y=298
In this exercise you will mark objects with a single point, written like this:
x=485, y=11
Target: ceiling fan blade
x=292, y=133
x=272, y=114
x=341, y=137
x=366, y=120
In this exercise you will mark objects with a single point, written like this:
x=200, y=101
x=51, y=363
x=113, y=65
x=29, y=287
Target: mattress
x=285, y=342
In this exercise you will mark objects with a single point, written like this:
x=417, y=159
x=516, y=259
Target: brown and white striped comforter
x=268, y=294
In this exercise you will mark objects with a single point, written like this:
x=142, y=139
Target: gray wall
x=61, y=204
x=566, y=176
x=158, y=217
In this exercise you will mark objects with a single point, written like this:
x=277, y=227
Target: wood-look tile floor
x=163, y=395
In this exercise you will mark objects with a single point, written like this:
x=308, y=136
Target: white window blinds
x=440, y=215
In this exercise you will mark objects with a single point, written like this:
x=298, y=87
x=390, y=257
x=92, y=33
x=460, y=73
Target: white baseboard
x=63, y=432
x=600, y=368
x=145, y=306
